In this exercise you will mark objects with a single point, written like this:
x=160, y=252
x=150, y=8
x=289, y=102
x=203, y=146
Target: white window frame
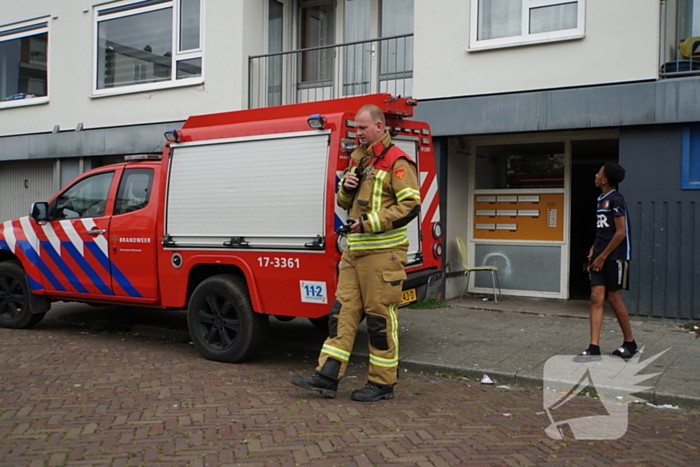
x=177, y=55
x=525, y=38
x=34, y=32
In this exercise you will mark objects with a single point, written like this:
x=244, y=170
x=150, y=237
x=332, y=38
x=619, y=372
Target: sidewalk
x=509, y=341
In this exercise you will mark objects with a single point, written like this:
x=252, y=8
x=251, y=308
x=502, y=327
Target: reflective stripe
x=378, y=188
x=374, y=222
x=9, y=234
x=336, y=352
x=394, y=329
x=408, y=193
x=99, y=240
x=371, y=241
x=340, y=191
x=29, y=234
x=373, y=359
x=377, y=235
x=34, y=258
x=343, y=197
x=73, y=236
x=52, y=237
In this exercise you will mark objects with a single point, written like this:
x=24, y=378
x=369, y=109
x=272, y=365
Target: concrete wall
x=456, y=194
x=232, y=31
x=665, y=223
x=618, y=47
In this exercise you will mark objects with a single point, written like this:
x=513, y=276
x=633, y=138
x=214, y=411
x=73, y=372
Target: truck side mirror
x=40, y=211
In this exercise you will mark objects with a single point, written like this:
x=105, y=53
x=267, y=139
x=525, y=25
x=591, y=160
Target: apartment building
x=530, y=98
x=526, y=99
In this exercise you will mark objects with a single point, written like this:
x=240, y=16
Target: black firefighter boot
x=373, y=392
x=318, y=382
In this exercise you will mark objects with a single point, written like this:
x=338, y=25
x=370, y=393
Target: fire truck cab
x=236, y=220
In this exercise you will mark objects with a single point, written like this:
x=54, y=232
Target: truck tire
x=15, y=309
x=221, y=320
x=321, y=324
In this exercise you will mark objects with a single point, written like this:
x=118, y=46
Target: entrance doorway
x=586, y=158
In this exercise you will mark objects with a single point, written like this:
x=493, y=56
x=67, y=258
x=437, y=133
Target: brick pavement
x=75, y=397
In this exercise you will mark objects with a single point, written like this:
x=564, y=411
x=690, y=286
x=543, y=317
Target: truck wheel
x=283, y=318
x=15, y=311
x=321, y=324
x=221, y=320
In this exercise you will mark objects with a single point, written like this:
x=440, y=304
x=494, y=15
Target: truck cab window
x=134, y=190
x=87, y=198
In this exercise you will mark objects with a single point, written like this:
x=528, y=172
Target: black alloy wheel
x=15, y=311
x=222, y=323
x=218, y=322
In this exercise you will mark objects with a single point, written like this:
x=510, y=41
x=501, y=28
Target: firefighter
x=380, y=190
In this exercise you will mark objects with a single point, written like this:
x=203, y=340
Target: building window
x=23, y=70
x=397, y=55
x=503, y=23
x=275, y=44
x=148, y=45
x=536, y=165
x=317, y=30
x=691, y=158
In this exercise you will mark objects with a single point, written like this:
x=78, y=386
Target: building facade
x=526, y=100
x=538, y=97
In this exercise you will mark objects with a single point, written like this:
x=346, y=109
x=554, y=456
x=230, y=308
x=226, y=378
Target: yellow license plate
x=408, y=296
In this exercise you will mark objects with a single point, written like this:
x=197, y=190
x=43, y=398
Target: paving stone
x=135, y=392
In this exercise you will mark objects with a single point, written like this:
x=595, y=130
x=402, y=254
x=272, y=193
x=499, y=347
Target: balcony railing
x=680, y=39
x=333, y=71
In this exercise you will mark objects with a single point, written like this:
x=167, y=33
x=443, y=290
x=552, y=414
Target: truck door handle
x=96, y=232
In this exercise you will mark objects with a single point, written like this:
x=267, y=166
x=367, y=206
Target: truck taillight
x=341, y=242
x=437, y=230
x=348, y=145
x=437, y=250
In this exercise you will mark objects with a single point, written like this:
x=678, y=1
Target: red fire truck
x=236, y=220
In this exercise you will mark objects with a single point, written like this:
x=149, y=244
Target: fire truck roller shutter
x=268, y=190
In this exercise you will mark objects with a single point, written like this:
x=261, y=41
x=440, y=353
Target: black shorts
x=614, y=276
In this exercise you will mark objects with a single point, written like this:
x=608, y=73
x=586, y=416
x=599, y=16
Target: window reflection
x=135, y=49
x=136, y=46
x=537, y=165
x=23, y=67
x=316, y=31
x=189, y=24
x=134, y=190
x=87, y=198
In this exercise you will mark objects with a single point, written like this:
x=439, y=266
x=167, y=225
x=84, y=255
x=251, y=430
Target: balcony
x=680, y=38
x=333, y=71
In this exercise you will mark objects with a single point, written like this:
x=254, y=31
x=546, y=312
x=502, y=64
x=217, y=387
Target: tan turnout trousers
x=380, y=274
